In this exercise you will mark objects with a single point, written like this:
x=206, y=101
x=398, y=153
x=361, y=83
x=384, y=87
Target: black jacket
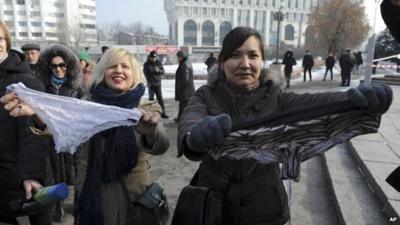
x=256, y=191
x=391, y=16
x=289, y=62
x=308, y=61
x=330, y=61
x=153, y=71
x=184, y=86
x=22, y=154
x=346, y=62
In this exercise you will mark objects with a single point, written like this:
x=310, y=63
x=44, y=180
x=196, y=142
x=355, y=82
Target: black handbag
x=197, y=206
x=150, y=208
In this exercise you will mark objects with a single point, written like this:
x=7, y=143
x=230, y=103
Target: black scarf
x=112, y=160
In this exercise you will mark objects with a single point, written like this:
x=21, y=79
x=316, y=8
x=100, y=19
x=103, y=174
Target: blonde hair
x=4, y=27
x=113, y=57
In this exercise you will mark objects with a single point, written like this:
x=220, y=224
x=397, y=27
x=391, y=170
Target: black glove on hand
x=376, y=97
x=209, y=132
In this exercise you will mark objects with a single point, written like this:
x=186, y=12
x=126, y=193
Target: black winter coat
x=22, y=153
x=256, y=193
x=153, y=71
x=391, y=16
x=308, y=61
x=346, y=62
x=330, y=62
x=184, y=86
x=289, y=62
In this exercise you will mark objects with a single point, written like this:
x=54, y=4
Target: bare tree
x=335, y=25
x=138, y=31
x=72, y=35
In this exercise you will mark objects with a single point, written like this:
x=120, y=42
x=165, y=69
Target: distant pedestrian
x=329, y=64
x=308, y=63
x=359, y=61
x=184, y=86
x=32, y=52
x=153, y=70
x=289, y=62
x=104, y=49
x=347, y=63
x=211, y=61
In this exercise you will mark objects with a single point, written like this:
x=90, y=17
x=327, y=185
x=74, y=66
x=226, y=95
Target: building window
x=88, y=26
x=51, y=34
x=195, y=11
x=37, y=34
x=8, y=2
x=23, y=34
x=204, y=11
x=8, y=12
x=186, y=10
x=222, y=12
x=214, y=11
x=35, y=2
x=22, y=23
x=22, y=13
x=35, y=13
x=20, y=2
x=58, y=4
x=224, y=28
x=190, y=33
x=208, y=32
x=36, y=24
x=50, y=24
x=289, y=32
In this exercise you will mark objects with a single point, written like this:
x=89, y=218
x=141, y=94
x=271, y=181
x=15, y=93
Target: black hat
x=153, y=54
x=30, y=47
x=182, y=54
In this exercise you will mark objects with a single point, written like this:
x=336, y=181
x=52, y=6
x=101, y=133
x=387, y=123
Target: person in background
x=104, y=49
x=358, y=61
x=184, y=86
x=32, y=52
x=153, y=70
x=329, y=64
x=241, y=91
x=22, y=154
x=117, y=156
x=308, y=63
x=346, y=63
x=211, y=61
x=289, y=61
x=63, y=76
x=87, y=76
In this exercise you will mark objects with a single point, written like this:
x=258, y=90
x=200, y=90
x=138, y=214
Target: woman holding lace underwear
x=117, y=153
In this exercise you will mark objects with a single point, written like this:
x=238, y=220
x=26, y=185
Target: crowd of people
x=239, y=90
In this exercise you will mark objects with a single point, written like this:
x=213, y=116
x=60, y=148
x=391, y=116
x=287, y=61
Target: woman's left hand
x=147, y=124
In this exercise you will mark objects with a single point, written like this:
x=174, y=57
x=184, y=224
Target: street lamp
x=279, y=16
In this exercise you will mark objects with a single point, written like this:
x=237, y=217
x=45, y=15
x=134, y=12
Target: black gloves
x=376, y=97
x=209, y=132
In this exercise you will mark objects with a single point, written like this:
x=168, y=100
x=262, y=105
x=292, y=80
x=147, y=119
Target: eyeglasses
x=61, y=65
x=2, y=39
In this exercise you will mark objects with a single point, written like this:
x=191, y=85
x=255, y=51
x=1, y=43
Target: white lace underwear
x=72, y=121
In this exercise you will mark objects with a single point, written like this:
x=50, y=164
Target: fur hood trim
x=215, y=76
x=74, y=72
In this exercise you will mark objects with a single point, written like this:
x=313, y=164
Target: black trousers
x=288, y=74
x=182, y=105
x=156, y=89
x=346, y=75
x=326, y=72
x=42, y=218
x=309, y=73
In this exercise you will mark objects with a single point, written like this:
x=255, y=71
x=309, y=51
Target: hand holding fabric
x=376, y=97
x=209, y=132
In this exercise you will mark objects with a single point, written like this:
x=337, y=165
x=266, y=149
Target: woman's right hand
x=16, y=106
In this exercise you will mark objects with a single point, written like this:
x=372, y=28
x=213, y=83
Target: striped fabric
x=293, y=143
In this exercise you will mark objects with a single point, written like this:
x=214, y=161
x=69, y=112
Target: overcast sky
x=151, y=13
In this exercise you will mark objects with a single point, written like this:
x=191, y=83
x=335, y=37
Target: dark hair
x=104, y=48
x=235, y=38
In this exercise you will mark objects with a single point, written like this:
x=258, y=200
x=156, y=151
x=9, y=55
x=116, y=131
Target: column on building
x=267, y=29
x=199, y=24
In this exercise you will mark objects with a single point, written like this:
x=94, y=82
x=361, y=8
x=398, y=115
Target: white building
x=206, y=22
x=39, y=21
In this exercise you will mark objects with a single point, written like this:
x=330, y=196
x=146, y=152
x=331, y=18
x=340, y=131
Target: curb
x=386, y=206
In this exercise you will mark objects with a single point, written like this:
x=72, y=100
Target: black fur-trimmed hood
x=215, y=76
x=74, y=72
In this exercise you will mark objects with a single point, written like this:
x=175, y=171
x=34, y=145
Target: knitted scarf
x=111, y=159
x=57, y=82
